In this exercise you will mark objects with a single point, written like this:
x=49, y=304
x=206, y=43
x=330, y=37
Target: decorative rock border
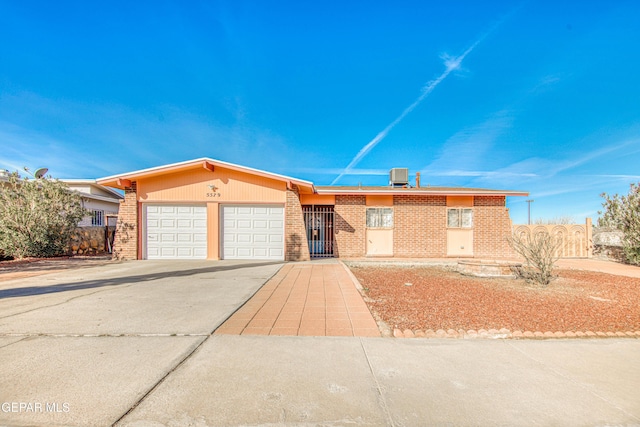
x=483, y=268
x=507, y=334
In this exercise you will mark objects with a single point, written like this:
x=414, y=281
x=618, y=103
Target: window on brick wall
x=97, y=218
x=459, y=218
x=379, y=217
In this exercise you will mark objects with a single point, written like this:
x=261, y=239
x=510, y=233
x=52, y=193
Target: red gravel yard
x=431, y=297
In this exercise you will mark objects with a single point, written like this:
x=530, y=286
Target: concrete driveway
x=95, y=340
x=131, y=344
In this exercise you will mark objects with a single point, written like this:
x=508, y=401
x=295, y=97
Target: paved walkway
x=306, y=299
x=600, y=265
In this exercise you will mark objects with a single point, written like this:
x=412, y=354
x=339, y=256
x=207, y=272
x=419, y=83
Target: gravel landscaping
x=437, y=297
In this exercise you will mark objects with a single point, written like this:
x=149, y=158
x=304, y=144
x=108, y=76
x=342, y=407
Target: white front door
x=252, y=232
x=175, y=231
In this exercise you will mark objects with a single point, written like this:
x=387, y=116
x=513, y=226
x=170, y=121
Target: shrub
x=540, y=253
x=623, y=213
x=37, y=216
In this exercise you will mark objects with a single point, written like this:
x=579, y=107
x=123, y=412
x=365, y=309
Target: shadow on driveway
x=99, y=283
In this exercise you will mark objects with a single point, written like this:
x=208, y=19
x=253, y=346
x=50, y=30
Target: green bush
x=37, y=216
x=623, y=213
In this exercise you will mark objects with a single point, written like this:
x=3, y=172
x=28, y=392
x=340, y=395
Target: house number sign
x=214, y=191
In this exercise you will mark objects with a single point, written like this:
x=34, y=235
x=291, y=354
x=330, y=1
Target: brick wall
x=350, y=226
x=492, y=227
x=420, y=226
x=296, y=245
x=125, y=245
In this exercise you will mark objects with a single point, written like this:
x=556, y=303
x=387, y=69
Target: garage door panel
x=273, y=238
x=167, y=222
x=260, y=224
x=244, y=252
x=167, y=237
x=253, y=232
x=184, y=223
x=176, y=232
x=260, y=238
x=276, y=253
x=185, y=238
x=260, y=252
x=243, y=224
x=168, y=252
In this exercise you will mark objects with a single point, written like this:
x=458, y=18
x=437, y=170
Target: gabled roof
x=124, y=180
x=113, y=194
x=429, y=190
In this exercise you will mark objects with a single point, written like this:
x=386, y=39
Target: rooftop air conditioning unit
x=399, y=176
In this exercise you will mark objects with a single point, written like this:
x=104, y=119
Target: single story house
x=102, y=202
x=210, y=209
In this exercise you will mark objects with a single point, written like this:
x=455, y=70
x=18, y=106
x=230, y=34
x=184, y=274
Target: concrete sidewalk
x=339, y=381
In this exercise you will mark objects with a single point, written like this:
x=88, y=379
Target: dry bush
x=540, y=253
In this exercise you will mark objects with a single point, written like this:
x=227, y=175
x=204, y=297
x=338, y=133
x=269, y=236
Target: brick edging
x=507, y=334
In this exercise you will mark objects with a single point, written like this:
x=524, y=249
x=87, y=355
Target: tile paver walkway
x=310, y=299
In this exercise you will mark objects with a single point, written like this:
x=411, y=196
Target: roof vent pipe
x=417, y=179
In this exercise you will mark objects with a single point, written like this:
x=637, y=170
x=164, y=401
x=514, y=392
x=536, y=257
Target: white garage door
x=176, y=232
x=253, y=232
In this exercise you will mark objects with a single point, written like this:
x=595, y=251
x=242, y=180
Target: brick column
x=125, y=245
x=492, y=227
x=350, y=226
x=296, y=245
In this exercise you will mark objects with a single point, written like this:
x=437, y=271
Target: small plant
x=540, y=253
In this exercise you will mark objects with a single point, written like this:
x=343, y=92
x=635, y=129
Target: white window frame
x=381, y=218
x=97, y=218
x=460, y=218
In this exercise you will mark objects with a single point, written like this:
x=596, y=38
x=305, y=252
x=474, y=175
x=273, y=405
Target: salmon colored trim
x=373, y=200
x=420, y=192
x=112, y=181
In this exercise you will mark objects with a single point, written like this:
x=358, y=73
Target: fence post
x=589, y=236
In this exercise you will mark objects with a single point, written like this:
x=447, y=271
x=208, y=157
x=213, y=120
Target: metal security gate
x=318, y=222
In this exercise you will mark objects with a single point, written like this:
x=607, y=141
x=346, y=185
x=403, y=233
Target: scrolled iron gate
x=318, y=222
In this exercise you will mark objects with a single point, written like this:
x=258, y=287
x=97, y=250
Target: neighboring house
x=209, y=209
x=103, y=202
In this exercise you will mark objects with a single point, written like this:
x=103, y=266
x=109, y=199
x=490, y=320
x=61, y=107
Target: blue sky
x=540, y=96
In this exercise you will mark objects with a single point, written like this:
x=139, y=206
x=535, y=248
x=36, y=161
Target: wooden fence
x=577, y=239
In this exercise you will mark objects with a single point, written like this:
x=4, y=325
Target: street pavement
x=131, y=344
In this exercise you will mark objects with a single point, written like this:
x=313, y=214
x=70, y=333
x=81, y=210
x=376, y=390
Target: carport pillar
x=296, y=245
x=125, y=245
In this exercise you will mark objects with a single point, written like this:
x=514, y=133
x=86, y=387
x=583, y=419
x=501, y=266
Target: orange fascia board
x=421, y=191
x=122, y=182
x=207, y=163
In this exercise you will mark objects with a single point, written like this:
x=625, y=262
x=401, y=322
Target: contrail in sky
x=451, y=64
